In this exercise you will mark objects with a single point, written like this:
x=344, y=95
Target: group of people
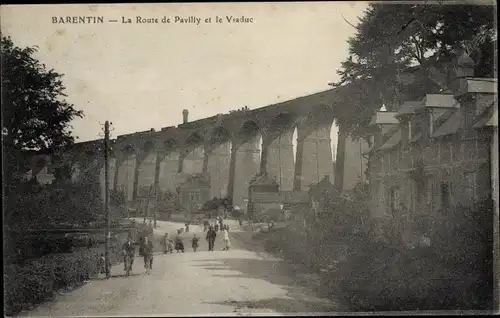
x=218, y=226
x=145, y=250
x=177, y=243
x=212, y=234
x=169, y=245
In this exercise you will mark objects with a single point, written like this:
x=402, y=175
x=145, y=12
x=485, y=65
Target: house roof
x=389, y=139
x=384, y=118
x=323, y=186
x=444, y=117
x=479, y=85
x=393, y=140
x=488, y=118
x=450, y=126
x=440, y=100
x=369, y=150
x=196, y=178
x=263, y=179
x=409, y=107
x=493, y=119
x=416, y=137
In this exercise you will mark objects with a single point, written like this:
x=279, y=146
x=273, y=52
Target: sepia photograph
x=250, y=159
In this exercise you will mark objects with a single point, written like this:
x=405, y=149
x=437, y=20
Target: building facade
x=435, y=153
x=194, y=192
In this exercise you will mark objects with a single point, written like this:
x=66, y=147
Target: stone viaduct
x=226, y=148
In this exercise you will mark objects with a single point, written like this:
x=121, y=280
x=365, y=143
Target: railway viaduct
x=230, y=149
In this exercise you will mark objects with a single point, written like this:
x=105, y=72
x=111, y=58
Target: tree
x=117, y=197
x=404, y=49
x=35, y=115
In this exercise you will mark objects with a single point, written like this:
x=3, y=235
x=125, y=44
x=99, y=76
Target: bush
x=57, y=206
x=30, y=282
x=37, y=280
x=453, y=274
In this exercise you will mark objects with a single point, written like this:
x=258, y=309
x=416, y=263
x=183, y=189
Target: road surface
x=236, y=282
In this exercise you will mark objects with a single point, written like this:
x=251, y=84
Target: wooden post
x=106, y=198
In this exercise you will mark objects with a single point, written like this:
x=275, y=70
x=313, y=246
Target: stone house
x=435, y=153
x=194, y=192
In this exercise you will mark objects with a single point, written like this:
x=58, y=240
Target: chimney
x=464, y=68
x=185, y=114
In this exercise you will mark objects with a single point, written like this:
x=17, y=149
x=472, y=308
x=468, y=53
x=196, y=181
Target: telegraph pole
x=106, y=196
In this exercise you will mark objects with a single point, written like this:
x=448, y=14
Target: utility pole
x=106, y=196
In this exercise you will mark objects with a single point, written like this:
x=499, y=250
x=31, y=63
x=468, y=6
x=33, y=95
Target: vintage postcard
x=287, y=158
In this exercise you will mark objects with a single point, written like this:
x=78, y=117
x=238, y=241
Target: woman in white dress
x=226, y=240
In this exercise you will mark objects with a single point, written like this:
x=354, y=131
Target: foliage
x=216, y=203
x=117, y=197
x=63, y=173
x=36, y=280
x=35, y=114
x=211, y=204
x=455, y=273
x=55, y=206
x=404, y=49
x=345, y=212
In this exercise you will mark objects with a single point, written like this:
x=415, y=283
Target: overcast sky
x=141, y=76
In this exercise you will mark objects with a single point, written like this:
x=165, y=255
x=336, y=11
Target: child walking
x=195, y=242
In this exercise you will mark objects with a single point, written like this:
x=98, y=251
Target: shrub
x=453, y=274
x=57, y=206
x=33, y=281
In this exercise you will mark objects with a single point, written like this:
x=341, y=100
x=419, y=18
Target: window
x=445, y=152
x=470, y=185
x=431, y=123
x=409, y=131
x=394, y=200
x=430, y=186
x=445, y=194
x=468, y=115
x=381, y=192
x=405, y=133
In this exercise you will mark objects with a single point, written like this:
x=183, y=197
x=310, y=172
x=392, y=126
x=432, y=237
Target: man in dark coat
x=128, y=250
x=147, y=251
x=179, y=242
x=211, y=235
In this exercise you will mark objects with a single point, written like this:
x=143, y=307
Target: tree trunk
x=340, y=159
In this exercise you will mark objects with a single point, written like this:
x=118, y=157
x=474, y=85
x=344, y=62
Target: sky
x=141, y=76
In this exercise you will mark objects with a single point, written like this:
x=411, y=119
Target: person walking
x=211, y=235
x=225, y=239
x=147, y=252
x=128, y=249
x=171, y=246
x=221, y=224
x=179, y=242
x=164, y=243
x=194, y=242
